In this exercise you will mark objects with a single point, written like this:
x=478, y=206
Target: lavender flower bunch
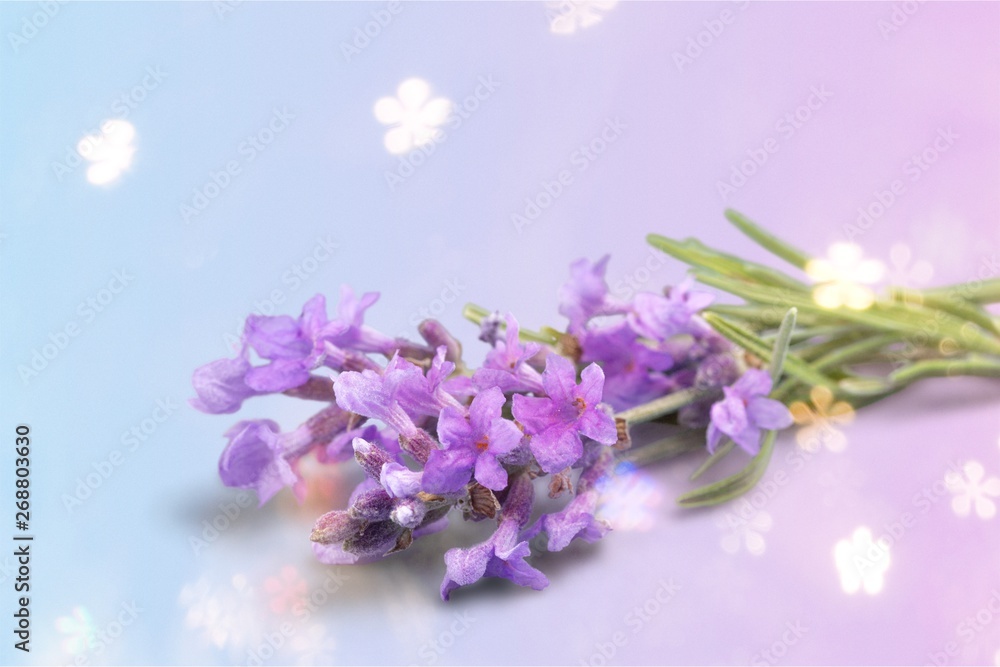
x=438, y=440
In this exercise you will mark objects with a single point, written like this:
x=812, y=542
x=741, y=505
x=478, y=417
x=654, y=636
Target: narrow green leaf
x=719, y=454
x=659, y=407
x=665, y=448
x=734, y=485
x=971, y=365
x=778, y=356
x=751, y=343
x=781, y=344
x=476, y=314
x=986, y=291
x=769, y=241
x=695, y=253
x=765, y=316
x=957, y=306
x=909, y=320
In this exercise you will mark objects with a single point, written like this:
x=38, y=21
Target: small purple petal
x=748, y=439
x=448, y=470
x=485, y=408
x=730, y=415
x=769, y=413
x=253, y=459
x=276, y=337
x=454, y=429
x=490, y=473
x=556, y=448
x=559, y=378
x=591, y=384
x=505, y=436
x=598, y=425
x=278, y=376
x=399, y=481
x=220, y=385
x=534, y=413
x=754, y=382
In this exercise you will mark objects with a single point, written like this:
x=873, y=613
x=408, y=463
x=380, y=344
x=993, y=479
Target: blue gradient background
x=324, y=176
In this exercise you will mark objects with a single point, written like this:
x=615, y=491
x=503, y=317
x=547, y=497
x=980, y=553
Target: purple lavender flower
x=745, y=411
x=472, y=441
x=576, y=519
x=632, y=371
x=293, y=346
x=658, y=318
x=586, y=294
x=255, y=459
x=397, y=394
x=349, y=331
x=502, y=555
x=507, y=366
x=260, y=457
x=325, y=430
x=384, y=514
x=399, y=481
x=220, y=385
x=556, y=421
x=341, y=537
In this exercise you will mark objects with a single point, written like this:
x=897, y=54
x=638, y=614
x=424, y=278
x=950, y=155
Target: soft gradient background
x=445, y=236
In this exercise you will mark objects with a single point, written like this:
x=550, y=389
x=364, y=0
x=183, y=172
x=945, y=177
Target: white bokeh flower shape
x=313, y=645
x=746, y=529
x=78, y=629
x=862, y=562
x=568, y=16
x=843, y=277
x=630, y=501
x=906, y=272
x=415, y=117
x=973, y=491
x=225, y=614
x=110, y=151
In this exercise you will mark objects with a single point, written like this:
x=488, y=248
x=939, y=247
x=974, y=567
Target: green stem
x=803, y=334
x=745, y=339
x=476, y=314
x=665, y=448
x=769, y=241
x=780, y=353
x=659, y=407
x=695, y=253
x=734, y=485
x=717, y=456
x=908, y=320
x=955, y=305
x=971, y=365
x=987, y=291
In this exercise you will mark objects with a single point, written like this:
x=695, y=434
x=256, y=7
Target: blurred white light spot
x=313, y=645
x=79, y=630
x=862, y=562
x=745, y=528
x=973, y=490
x=629, y=500
x=908, y=273
x=110, y=151
x=568, y=16
x=225, y=613
x=843, y=276
x=413, y=115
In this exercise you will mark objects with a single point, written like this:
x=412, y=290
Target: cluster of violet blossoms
x=436, y=439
